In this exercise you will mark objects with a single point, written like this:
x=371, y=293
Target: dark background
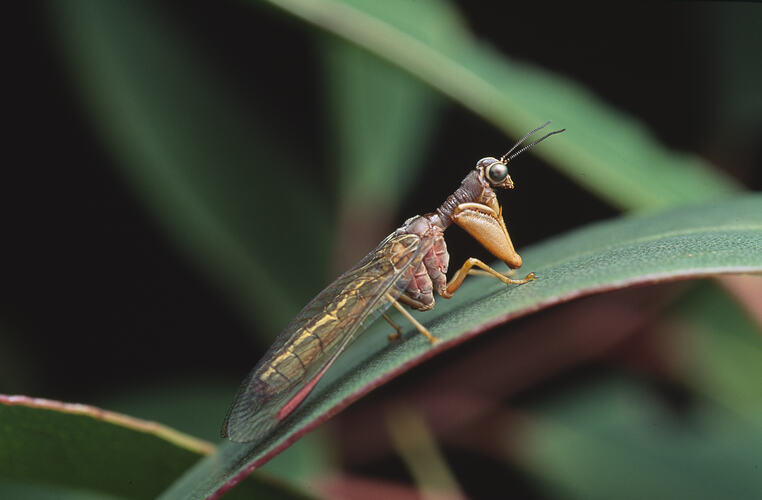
x=94, y=298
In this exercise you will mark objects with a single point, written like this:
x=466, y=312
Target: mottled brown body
x=475, y=208
x=431, y=273
x=409, y=266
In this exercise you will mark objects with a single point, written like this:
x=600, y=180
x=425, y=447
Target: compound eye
x=497, y=172
x=484, y=163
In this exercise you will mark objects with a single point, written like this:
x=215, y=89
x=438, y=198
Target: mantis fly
x=407, y=267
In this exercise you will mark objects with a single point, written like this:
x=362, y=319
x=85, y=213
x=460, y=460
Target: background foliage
x=182, y=178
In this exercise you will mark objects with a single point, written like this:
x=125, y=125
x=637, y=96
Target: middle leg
x=422, y=329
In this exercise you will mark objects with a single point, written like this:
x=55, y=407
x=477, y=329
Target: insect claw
x=398, y=334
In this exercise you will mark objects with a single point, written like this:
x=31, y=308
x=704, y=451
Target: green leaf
x=198, y=154
x=604, y=150
x=721, y=354
x=694, y=241
x=195, y=405
x=612, y=440
x=382, y=118
x=27, y=491
x=47, y=446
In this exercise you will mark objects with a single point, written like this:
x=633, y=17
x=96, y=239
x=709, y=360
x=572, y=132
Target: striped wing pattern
x=318, y=334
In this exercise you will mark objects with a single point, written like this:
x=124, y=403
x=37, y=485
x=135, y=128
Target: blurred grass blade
x=196, y=157
x=613, y=441
x=693, y=241
x=721, y=352
x=604, y=150
x=381, y=118
x=79, y=447
x=416, y=445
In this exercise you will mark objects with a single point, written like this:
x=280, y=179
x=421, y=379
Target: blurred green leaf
x=46, y=444
x=201, y=159
x=613, y=441
x=722, y=237
x=191, y=404
x=732, y=36
x=604, y=150
x=16, y=373
x=721, y=352
x=25, y=491
x=196, y=406
x=382, y=118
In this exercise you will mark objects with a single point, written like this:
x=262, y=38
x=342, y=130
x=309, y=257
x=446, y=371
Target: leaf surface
x=688, y=242
x=50, y=449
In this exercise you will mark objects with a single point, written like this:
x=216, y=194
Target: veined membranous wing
x=312, y=341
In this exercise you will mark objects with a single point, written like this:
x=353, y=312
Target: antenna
x=508, y=156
